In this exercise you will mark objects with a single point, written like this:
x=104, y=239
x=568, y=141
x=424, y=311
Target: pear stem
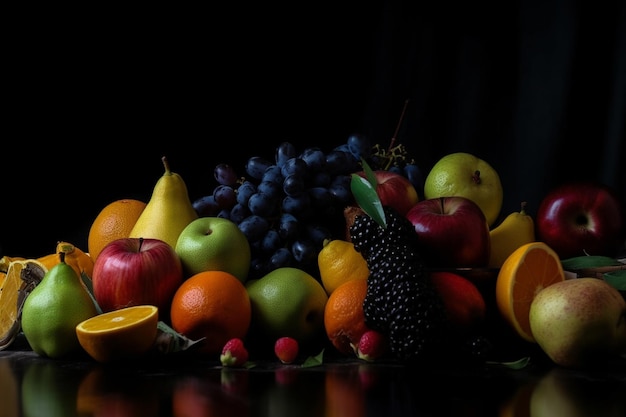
x=523, y=207
x=62, y=256
x=476, y=177
x=166, y=165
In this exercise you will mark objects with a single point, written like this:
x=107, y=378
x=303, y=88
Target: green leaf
x=515, y=365
x=591, y=261
x=314, y=360
x=367, y=198
x=169, y=340
x=369, y=173
x=617, y=279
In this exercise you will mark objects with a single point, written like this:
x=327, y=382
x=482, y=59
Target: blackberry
x=400, y=300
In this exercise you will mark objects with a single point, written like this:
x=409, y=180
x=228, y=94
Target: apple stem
x=476, y=177
x=140, y=244
x=441, y=202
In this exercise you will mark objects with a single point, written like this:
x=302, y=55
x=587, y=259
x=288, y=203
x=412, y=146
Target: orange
x=213, y=305
x=120, y=334
x=344, y=320
x=114, y=221
x=339, y=262
x=75, y=257
x=526, y=271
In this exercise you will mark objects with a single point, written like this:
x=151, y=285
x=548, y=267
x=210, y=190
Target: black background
x=94, y=97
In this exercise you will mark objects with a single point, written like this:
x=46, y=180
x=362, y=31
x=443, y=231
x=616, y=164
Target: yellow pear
x=515, y=230
x=168, y=211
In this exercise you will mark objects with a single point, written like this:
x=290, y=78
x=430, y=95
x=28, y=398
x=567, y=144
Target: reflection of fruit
x=114, y=221
x=582, y=218
x=528, y=270
x=463, y=174
x=517, y=229
x=53, y=309
x=287, y=302
x=120, y=334
x=452, y=232
x=132, y=271
x=20, y=279
x=9, y=390
x=214, y=243
x=339, y=262
x=518, y=404
x=463, y=301
x=197, y=397
x=579, y=322
x=212, y=305
x=345, y=396
x=344, y=319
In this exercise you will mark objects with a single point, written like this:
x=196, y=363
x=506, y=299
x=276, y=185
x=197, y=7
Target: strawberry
x=372, y=346
x=234, y=353
x=286, y=349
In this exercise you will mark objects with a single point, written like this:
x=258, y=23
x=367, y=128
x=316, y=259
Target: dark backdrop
x=94, y=97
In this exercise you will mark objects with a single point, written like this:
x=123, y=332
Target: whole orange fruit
x=114, y=221
x=213, y=305
x=344, y=319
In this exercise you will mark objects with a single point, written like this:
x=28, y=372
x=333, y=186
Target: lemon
x=466, y=175
x=119, y=334
x=339, y=262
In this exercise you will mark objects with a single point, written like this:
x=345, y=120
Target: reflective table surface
x=182, y=386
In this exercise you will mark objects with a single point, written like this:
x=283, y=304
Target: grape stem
x=395, y=134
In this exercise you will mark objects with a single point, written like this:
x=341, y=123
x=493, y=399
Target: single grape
x=288, y=227
x=294, y=166
x=304, y=251
x=297, y=204
x=293, y=185
x=281, y=258
x=256, y=166
x=206, y=206
x=254, y=227
x=270, y=188
x=225, y=196
x=224, y=214
x=415, y=176
x=273, y=174
x=337, y=161
x=397, y=169
x=318, y=233
x=321, y=198
x=359, y=146
x=271, y=242
x=239, y=212
x=340, y=190
x=262, y=204
x=314, y=158
x=225, y=174
x=244, y=191
x=284, y=152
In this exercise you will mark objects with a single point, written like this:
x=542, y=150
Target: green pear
x=579, y=322
x=168, y=211
x=53, y=309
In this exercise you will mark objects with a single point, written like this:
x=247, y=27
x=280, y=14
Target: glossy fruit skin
x=452, y=232
x=517, y=229
x=394, y=190
x=135, y=271
x=214, y=243
x=463, y=301
x=582, y=218
x=286, y=349
x=579, y=322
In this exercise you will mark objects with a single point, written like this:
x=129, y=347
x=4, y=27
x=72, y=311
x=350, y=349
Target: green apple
x=466, y=175
x=214, y=244
x=579, y=322
x=287, y=302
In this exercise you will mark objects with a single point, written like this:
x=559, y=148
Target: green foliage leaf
x=515, y=365
x=617, y=279
x=367, y=198
x=584, y=262
x=314, y=360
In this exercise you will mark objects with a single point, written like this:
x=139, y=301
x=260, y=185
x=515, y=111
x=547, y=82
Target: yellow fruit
x=339, y=262
x=115, y=221
x=463, y=174
x=515, y=230
x=120, y=334
x=21, y=277
x=529, y=269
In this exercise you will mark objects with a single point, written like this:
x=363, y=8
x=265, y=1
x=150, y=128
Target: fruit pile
x=350, y=252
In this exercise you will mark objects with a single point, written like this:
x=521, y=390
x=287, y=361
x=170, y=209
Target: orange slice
x=21, y=278
x=525, y=272
x=119, y=334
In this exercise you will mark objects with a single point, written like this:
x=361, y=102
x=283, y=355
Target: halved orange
x=119, y=334
x=526, y=271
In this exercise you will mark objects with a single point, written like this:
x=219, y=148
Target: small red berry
x=286, y=349
x=234, y=353
x=372, y=346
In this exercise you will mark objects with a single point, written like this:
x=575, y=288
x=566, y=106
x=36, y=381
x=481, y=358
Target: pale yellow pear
x=517, y=229
x=168, y=211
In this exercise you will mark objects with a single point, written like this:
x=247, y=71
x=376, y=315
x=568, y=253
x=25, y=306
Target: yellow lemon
x=339, y=262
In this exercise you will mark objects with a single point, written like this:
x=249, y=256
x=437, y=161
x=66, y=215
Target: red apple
x=135, y=271
x=582, y=218
x=394, y=190
x=452, y=232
